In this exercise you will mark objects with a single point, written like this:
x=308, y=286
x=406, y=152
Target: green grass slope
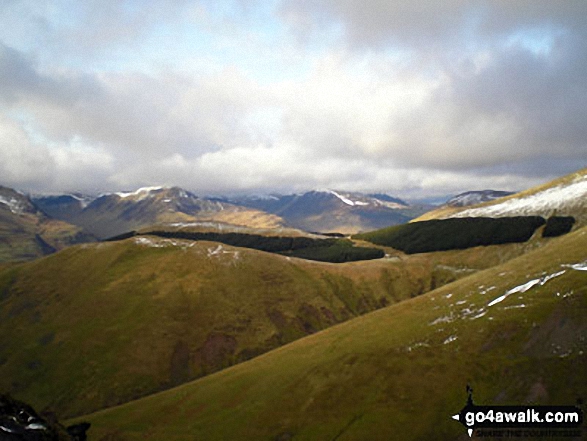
x=398, y=373
x=101, y=324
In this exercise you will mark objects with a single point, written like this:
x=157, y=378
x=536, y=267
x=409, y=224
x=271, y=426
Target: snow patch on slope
x=83, y=200
x=140, y=194
x=163, y=243
x=219, y=251
x=16, y=206
x=555, y=198
x=578, y=266
x=525, y=287
x=346, y=200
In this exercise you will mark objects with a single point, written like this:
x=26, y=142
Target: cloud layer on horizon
x=232, y=96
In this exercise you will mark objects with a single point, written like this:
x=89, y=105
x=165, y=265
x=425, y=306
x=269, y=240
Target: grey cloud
x=424, y=24
x=21, y=162
x=87, y=29
x=136, y=112
x=468, y=105
x=16, y=75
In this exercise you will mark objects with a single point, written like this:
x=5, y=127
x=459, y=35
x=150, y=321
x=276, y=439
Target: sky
x=413, y=98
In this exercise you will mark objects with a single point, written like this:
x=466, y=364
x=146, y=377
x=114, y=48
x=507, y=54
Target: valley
x=293, y=220
x=402, y=366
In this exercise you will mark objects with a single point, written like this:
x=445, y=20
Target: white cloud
x=388, y=96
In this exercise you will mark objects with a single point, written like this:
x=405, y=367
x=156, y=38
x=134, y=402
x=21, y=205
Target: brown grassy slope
x=27, y=236
x=100, y=324
x=398, y=373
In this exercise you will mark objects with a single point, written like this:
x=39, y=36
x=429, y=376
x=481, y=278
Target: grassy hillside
x=100, y=324
x=333, y=250
x=29, y=235
x=398, y=373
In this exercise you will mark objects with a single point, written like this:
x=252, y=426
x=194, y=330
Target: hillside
x=27, y=233
x=99, y=324
x=460, y=233
x=566, y=196
x=335, y=211
x=516, y=332
x=116, y=213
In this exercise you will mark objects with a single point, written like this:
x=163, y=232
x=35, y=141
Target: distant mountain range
x=335, y=211
x=34, y=226
x=116, y=213
x=322, y=211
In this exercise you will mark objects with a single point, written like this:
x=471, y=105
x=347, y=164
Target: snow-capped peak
x=347, y=200
x=373, y=200
x=140, y=194
x=476, y=197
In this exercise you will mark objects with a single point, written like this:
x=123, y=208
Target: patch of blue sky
x=255, y=43
x=27, y=122
x=539, y=41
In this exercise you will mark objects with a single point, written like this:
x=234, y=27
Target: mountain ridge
x=115, y=213
x=26, y=232
x=335, y=211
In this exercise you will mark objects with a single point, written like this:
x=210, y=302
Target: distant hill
x=116, y=213
x=476, y=197
x=566, y=196
x=27, y=233
x=335, y=211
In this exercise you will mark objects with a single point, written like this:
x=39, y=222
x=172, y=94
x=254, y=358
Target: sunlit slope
x=566, y=196
x=100, y=324
x=398, y=373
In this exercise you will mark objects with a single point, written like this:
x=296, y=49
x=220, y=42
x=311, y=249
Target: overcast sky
x=413, y=98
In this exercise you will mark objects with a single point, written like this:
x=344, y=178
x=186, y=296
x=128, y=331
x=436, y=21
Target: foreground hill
x=117, y=213
x=566, y=196
x=99, y=324
x=516, y=332
x=336, y=211
x=27, y=233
